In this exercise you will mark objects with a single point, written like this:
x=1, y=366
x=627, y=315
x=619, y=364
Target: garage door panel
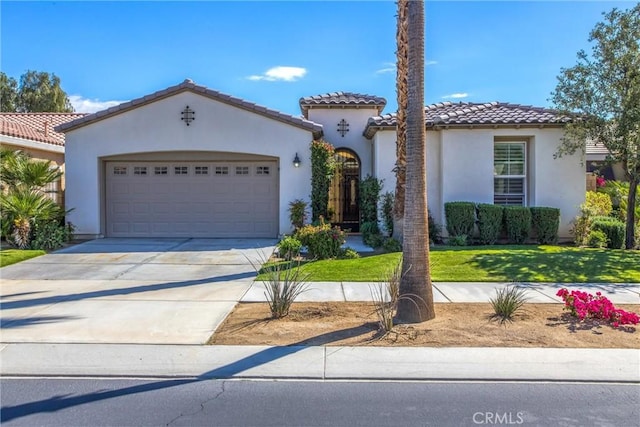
x=170, y=199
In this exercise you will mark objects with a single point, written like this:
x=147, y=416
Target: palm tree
x=416, y=302
x=401, y=127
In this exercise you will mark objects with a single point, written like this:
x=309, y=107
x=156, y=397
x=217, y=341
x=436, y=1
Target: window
x=160, y=170
x=139, y=170
x=181, y=170
x=509, y=173
x=242, y=170
x=262, y=170
x=222, y=170
x=119, y=170
x=202, y=170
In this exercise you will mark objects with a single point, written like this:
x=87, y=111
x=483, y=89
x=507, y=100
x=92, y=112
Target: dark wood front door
x=345, y=190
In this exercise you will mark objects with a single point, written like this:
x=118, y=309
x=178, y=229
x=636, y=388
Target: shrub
x=297, y=213
x=613, y=228
x=545, y=222
x=50, y=235
x=460, y=218
x=322, y=169
x=597, y=204
x=322, y=241
x=584, y=305
x=597, y=239
x=369, y=196
x=387, y=212
x=489, y=222
x=517, y=221
x=507, y=302
x=371, y=235
x=289, y=247
x=392, y=245
x=458, y=240
x=435, y=229
x=348, y=253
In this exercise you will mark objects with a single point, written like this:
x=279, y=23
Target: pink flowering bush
x=600, y=182
x=584, y=305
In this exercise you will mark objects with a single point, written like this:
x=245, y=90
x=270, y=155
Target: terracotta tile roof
x=475, y=114
x=190, y=86
x=341, y=98
x=38, y=127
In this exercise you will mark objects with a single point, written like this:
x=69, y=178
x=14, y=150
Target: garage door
x=189, y=199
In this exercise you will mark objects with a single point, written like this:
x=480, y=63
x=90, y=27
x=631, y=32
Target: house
x=189, y=161
x=35, y=134
x=597, y=165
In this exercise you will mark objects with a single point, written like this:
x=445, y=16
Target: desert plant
x=289, y=247
x=597, y=239
x=545, y=222
x=387, y=212
x=489, y=222
x=385, y=296
x=460, y=218
x=297, y=213
x=517, y=220
x=613, y=228
x=322, y=240
x=507, y=302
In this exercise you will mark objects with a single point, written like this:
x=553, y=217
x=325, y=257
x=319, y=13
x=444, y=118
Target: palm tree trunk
x=416, y=294
x=401, y=127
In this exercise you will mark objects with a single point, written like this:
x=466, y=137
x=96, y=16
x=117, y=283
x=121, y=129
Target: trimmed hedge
x=460, y=217
x=517, y=220
x=612, y=227
x=489, y=222
x=545, y=222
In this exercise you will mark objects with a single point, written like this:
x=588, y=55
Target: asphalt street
x=188, y=402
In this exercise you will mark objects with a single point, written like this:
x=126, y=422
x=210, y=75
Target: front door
x=344, y=208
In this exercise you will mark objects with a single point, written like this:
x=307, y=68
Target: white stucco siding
x=354, y=140
x=157, y=127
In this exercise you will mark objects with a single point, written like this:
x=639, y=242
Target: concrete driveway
x=144, y=291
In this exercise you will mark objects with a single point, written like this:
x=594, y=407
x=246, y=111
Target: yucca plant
x=507, y=302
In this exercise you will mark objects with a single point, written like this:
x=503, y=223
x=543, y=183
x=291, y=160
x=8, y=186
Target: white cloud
x=84, y=105
x=430, y=62
x=456, y=95
x=280, y=73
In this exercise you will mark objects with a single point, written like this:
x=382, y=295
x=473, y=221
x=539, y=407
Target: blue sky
x=273, y=53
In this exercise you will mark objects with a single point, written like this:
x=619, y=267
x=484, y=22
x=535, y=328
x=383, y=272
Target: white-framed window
x=242, y=170
x=139, y=170
x=181, y=170
x=201, y=170
x=510, y=173
x=263, y=170
x=119, y=170
x=222, y=170
x=160, y=170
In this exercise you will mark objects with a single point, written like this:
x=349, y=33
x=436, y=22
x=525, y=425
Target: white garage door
x=192, y=199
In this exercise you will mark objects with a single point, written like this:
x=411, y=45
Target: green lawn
x=495, y=264
x=12, y=256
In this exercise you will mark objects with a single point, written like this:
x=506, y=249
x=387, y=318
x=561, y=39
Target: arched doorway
x=344, y=208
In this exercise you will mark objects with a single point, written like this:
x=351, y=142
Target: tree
x=416, y=302
x=401, y=126
x=8, y=93
x=37, y=92
x=603, y=90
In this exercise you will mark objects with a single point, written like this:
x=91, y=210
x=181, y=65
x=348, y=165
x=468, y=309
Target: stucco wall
x=460, y=168
x=157, y=127
x=354, y=140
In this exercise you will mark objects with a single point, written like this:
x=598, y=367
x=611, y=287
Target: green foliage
x=460, y=240
x=597, y=239
x=507, y=302
x=613, y=228
x=297, y=213
x=387, y=212
x=370, y=188
x=460, y=217
x=545, y=222
x=371, y=235
x=619, y=193
x=348, y=253
x=17, y=169
x=50, y=235
x=435, y=229
x=602, y=92
x=490, y=219
x=289, y=247
x=283, y=284
x=385, y=296
x=517, y=220
x=322, y=169
x=322, y=241
x=37, y=92
x=392, y=245
x=596, y=204
x=24, y=206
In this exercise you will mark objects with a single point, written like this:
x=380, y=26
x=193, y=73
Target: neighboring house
x=597, y=165
x=188, y=161
x=35, y=134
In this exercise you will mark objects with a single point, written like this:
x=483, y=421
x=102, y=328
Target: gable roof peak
x=341, y=99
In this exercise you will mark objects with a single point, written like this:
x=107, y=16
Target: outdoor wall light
x=296, y=161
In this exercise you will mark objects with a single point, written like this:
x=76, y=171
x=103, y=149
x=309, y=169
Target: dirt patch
x=455, y=325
